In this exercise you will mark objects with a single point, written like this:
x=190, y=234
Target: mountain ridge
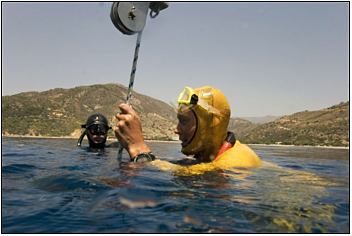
x=325, y=127
x=60, y=112
x=259, y=119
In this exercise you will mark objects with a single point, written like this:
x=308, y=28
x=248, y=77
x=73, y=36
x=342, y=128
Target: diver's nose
x=176, y=130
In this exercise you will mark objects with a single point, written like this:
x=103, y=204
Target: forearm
x=136, y=149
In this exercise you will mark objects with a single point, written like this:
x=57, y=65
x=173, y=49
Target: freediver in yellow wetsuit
x=203, y=117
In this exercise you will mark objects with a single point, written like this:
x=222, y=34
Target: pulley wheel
x=129, y=17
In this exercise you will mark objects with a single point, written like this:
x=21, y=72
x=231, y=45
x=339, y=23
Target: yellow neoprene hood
x=211, y=126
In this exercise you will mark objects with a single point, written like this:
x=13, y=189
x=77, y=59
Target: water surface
x=52, y=186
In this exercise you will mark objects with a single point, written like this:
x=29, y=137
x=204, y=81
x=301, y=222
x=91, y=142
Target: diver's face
x=97, y=133
x=187, y=125
x=98, y=138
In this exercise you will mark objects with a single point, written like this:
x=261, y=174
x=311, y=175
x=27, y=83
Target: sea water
x=52, y=186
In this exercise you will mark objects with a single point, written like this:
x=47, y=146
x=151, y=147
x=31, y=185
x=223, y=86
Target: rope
x=130, y=86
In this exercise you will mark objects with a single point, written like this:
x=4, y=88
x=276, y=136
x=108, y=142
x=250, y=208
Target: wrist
x=138, y=149
x=144, y=157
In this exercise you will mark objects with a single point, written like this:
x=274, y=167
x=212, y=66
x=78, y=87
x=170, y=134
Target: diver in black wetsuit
x=96, y=129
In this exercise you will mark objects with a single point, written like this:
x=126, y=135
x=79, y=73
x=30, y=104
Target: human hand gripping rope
x=130, y=18
x=130, y=85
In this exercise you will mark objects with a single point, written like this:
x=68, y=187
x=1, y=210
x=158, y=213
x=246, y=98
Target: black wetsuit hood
x=92, y=120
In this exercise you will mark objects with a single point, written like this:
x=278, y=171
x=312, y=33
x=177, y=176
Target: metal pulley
x=130, y=17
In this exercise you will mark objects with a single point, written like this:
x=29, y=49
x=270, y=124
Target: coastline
x=280, y=145
x=28, y=136
x=73, y=137
x=165, y=141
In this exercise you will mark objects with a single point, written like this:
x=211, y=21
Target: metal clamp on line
x=130, y=17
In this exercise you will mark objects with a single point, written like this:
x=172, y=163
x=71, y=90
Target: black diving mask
x=97, y=129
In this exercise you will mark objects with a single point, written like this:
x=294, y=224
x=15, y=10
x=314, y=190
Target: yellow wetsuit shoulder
x=240, y=155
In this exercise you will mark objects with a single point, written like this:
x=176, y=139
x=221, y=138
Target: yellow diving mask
x=190, y=98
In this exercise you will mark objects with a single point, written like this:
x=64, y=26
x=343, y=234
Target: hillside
x=328, y=127
x=60, y=112
x=260, y=120
x=241, y=127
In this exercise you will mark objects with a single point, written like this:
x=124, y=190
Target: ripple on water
x=50, y=186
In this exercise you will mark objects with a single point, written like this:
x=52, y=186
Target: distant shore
x=72, y=137
x=165, y=141
x=281, y=145
x=28, y=136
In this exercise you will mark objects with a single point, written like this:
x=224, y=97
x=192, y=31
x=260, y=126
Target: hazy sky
x=273, y=58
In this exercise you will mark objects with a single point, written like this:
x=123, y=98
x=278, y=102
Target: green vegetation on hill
x=241, y=127
x=60, y=112
x=326, y=127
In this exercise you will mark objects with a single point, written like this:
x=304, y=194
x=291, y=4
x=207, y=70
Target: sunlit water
x=52, y=186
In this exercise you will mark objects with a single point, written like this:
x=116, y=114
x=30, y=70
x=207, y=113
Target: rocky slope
x=60, y=113
x=328, y=127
